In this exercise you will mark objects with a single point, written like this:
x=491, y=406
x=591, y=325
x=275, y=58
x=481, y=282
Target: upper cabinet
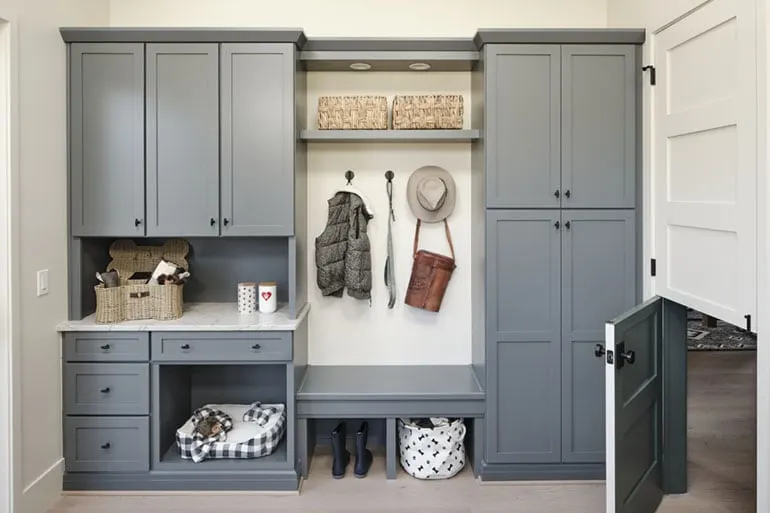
x=188, y=140
x=258, y=137
x=560, y=126
x=107, y=139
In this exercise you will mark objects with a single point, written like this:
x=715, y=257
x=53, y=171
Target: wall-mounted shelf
x=389, y=135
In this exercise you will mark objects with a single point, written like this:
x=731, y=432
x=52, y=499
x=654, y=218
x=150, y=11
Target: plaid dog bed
x=248, y=431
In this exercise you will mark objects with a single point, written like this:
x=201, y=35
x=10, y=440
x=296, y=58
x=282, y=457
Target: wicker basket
x=134, y=299
x=428, y=112
x=353, y=113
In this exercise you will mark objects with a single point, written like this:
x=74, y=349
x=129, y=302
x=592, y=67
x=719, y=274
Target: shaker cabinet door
x=599, y=126
x=258, y=137
x=107, y=139
x=523, y=125
x=182, y=140
x=523, y=337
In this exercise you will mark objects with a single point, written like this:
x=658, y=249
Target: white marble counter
x=201, y=317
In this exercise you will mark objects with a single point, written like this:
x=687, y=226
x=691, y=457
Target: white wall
x=39, y=138
x=347, y=331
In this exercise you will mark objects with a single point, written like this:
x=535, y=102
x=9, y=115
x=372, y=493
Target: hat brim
x=414, y=204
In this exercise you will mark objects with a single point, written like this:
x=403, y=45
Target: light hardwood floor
x=721, y=453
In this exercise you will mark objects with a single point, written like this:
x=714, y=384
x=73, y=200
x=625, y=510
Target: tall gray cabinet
x=560, y=162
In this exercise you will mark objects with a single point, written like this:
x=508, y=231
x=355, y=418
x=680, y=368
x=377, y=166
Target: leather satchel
x=431, y=273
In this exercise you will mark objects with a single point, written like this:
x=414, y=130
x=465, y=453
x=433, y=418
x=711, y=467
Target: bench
x=389, y=392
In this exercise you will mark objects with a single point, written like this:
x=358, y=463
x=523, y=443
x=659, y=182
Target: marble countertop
x=201, y=317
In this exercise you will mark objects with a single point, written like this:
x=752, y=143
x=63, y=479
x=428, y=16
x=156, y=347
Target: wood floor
x=721, y=454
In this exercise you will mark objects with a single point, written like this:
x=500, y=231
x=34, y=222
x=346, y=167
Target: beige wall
x=40, y=141
x=649, y=14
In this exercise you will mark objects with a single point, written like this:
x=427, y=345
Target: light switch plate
x=42, y=282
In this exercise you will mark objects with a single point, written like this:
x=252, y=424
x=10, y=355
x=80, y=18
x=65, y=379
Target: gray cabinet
x=598, y=283
x=598, y=126
x=523, y=337
x=107, y=139
x=560, y=126
x=523, y=106
x=553, y=278
x=182, y=106
x=106, y=444
x=258, y=134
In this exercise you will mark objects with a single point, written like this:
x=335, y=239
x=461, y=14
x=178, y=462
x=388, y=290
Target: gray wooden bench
x=389, y=392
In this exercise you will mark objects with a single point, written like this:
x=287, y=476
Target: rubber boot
x=340, y=453
x=363, y=455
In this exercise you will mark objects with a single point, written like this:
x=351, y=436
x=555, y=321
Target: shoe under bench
x=389, y=392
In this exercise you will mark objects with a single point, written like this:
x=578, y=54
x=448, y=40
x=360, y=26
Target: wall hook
x=349, y=175
x=389, y=175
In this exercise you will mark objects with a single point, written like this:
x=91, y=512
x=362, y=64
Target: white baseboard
x=43, y=492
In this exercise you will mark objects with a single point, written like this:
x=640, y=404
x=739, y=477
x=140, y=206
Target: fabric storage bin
x=135, y=299
x=428, y=112
x=352, y=113
x=432, y=452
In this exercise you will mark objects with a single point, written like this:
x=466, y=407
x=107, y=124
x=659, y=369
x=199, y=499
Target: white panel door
x=704, y=161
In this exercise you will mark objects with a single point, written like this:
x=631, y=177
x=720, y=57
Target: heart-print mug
x=268, y=297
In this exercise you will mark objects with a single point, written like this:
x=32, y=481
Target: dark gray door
x=258, y=137
x=523, y=336
x=182, y=139
x=523, y=126
x=598, y=283
x=634, y=396
x=107, y=139
x=598, y=126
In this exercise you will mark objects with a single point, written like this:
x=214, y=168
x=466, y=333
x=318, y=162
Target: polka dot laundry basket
x=432, y=452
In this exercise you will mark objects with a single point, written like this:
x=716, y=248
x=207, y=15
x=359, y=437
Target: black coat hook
x=389, y=175
x=349, y=175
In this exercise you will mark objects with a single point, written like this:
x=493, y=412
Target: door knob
x=137, y=222
x=185, y=347
x=213, y=221
x=568, y=225
x=625, y=356
x=556, y=225
x=629, y=357
x=567, y=193
x=599, y=351
x=556, y=193
x=106, y=446
x=105, y=390
x=106, y=347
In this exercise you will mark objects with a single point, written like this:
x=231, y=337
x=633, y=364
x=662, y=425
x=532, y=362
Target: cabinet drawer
x=106, y=347
x=107, y=444
x=107, y=389
x=217, y=347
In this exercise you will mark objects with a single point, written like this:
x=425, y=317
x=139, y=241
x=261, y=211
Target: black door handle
x=105, y=390
x=256, y=347
x=106, y=347
x=567, y=193
x=106, y=446
x=556, y=225
x=599, y=351
x=185, y=346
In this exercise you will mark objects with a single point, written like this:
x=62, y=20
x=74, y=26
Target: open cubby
x=180, y=389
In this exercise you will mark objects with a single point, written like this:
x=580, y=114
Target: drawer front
x=211, y=347
x=107, y=389
x=107, y=444
x=106, y=347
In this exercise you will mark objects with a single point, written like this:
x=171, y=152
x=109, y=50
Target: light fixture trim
x=360, y=66
x=419, y=66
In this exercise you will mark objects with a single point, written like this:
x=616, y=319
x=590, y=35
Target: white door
x=705, y=161
x=704, y=181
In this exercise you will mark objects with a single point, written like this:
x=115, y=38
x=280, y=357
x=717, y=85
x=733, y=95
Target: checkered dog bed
x=249, y=431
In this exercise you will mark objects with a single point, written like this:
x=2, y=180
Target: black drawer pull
x=185, y=347
x=106, y=446
x=106, y=347
x=105, y=390
x=256, y=347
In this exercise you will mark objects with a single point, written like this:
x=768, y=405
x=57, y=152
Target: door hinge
x=651, y=69
x=653, y=267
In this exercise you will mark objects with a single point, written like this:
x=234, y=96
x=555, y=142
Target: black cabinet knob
x=137, y=222
x=629, y=357
x=185, y=347
x=567, y=225
x=213, y=221
x=556, y=225
x=599, y=351
x=227, y=221
x=106, y=347
x=106, y=446
x=567, y=193
x=105, y=390
x=556, y=193
x=256, y=347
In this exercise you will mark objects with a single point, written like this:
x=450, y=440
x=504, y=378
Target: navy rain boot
x=340, y=454
x=363, y=455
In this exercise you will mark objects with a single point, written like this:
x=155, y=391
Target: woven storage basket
x=134, y=299
x=428, y=112
x=353, y=113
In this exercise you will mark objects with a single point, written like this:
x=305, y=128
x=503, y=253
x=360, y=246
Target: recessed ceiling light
x=419, y=66
x=360, y=66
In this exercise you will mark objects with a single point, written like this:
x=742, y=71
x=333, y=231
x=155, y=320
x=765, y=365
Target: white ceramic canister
x=268, y=297
x=247, y=298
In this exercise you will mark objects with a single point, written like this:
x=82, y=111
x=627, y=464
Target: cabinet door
x=258, y=136
x=599, y=274
x=599, y=126
x=107, y=139
x=523, y=127
x=182, y=140
x=523, y=337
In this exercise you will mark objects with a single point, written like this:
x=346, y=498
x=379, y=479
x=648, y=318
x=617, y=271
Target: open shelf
x=171, y=460
x=389, y=135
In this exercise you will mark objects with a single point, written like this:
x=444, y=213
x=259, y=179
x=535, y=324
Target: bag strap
x=448, y=238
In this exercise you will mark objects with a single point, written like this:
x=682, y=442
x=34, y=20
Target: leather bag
x=431, y=273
